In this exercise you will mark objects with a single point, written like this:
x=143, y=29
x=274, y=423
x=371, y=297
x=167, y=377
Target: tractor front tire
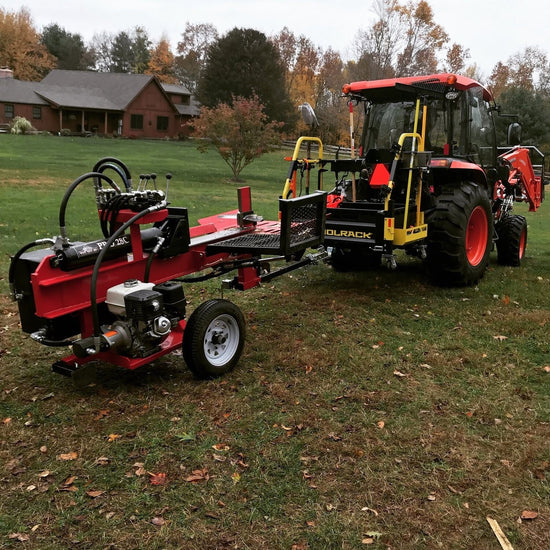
x=512, y=240
x=460, y=232
x=214, y=338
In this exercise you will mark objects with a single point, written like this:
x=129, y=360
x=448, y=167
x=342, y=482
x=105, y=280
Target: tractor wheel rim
x=221, y=340
x=476, y=236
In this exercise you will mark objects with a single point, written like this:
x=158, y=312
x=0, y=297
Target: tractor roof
x=393, y=89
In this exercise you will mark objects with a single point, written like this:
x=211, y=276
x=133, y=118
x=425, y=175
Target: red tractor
x=428, y=178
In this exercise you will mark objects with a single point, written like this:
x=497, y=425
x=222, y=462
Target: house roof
x=192, y=109
x=20, y=91
x=91, y=90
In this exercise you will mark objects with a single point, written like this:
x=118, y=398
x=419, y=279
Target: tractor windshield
x=458, y=126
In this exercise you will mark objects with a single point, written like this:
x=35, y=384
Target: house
x=81, y=102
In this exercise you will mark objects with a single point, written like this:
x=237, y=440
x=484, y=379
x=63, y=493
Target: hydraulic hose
x=108, y=162
x=15, y=259
x=95, y=272
x=67, y=196
x=154, y=252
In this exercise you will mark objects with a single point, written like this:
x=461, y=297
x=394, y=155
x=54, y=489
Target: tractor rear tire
x=460, y=232
x=214, y=338
x=512, y=240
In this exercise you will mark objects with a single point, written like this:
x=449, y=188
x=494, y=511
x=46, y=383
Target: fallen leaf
x=68, y=456
x=198, y=475
x=45, y=473
x=399, y=374
x=113, y=437
x=43, y=449
x=367, y=540
x=529, y=514
x=381, y=424
x=102, y=413
x=506, y=300
x=431, y=497
x=94, y=494
x=6, y=421
x=220, y=447
x=546, y=369
x=236, y=477
x=500, y=337
x=158, y=521
x=102, y=461
x=20, y=537
x=158, y=479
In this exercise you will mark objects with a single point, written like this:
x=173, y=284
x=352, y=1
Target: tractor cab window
x=385, y=124
x=482, y=139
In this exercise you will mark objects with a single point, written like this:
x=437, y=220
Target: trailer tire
x=214, y=338
x=512, y=240
x=460, y=232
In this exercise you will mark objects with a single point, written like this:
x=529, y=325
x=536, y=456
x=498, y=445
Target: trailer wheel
x=460, y=232
x=214, y=338
x=512, y=240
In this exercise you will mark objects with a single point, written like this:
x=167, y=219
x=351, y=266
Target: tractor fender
x=449, y=171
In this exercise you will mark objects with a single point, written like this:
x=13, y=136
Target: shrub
x=21, y=125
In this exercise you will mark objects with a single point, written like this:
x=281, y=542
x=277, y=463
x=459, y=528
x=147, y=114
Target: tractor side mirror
x=308, y=115
x=514, y=134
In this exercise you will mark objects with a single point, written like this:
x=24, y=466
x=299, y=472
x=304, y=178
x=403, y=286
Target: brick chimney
x=5, y=72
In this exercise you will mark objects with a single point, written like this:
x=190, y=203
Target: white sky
x=492, y=30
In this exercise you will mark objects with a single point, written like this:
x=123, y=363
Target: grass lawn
x=369, y=409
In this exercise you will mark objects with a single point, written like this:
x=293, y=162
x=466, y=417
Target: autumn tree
x=329, y=107
x=243, y=63
x=520, y=86
x=404, y=40
x=424, y=38
x=191, y=53
x=301, y=61
x=67, y=48
x=240, y=131
x=21, y=48
x=455, y=59
x=376, y=48
x=161, y=62
x=528, y=69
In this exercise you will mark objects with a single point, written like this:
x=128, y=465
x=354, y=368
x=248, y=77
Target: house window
x=186, y=100
x=136, y=122
x=8, y=110
x=37, y=113
x=162, y=123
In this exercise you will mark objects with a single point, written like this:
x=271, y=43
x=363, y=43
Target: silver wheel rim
x=221, y=340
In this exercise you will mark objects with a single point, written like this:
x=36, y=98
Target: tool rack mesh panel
x=302, y=226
